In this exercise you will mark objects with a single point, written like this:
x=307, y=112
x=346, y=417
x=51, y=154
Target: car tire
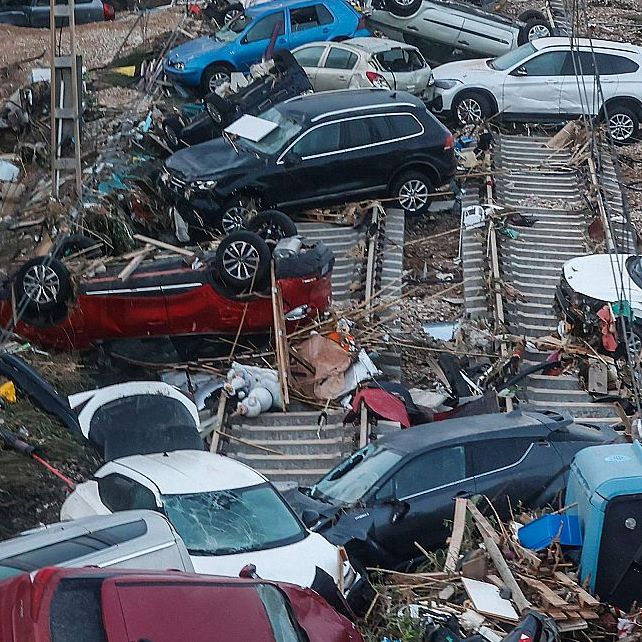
x=232, y=12
x=74, y=243
x=623, y=123
x=403, y=8
x=412, y=191
x=219, y=109
x=631, y=344
x=272, y=226
x=471, y=107
x=172, y=129
x=213, y=76
x=242, y=260
x=236, y=212
x=531, y=14
x=42, y=284
x=534, y=29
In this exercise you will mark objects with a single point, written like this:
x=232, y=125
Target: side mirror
x=399, y=511
x=291, y=159
x=310, y=517
x=520, y=71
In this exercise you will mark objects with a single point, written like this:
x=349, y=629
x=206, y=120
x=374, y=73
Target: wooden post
x=218, y=426
x=363, y=429
x=459, y=524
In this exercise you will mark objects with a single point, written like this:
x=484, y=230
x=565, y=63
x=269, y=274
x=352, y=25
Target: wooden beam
x=130, y=268
x=220, y=414
x=163, y=245
x=457, y=537
x=584, y=597
x=547, y=594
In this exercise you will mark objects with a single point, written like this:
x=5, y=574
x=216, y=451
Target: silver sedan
x=366, y=62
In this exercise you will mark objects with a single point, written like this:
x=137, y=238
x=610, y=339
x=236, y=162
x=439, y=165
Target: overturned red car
x=217, y=294
x=116, y=605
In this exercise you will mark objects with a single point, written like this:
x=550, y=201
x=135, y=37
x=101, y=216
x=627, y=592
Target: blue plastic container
x=539, y=533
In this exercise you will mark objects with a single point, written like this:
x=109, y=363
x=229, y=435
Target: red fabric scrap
x=383, y=404
x=607, y=328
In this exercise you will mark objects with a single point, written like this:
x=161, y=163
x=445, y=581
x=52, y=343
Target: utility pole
x=66, y=92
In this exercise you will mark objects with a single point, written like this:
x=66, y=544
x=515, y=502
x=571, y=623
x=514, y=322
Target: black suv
x=320, y=149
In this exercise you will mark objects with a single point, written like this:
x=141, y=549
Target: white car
x=547, y=80
x=366, y=62
x=227, y=514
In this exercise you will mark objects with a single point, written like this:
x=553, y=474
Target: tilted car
x=227, y=514
x=168, y=297
x=206, y=62
x=285, y=79
x=366, y=62
x=549, y=79
x=314, y=150
x=401, y=488
x=95, y=605
x=444, y=30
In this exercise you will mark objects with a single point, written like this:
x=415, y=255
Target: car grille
x=173, y=182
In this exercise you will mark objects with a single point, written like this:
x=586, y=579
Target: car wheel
x=214, y=76
x=232, y=12
x=471, y=108
x=272, y=226
x=531, y=14
x=242, y=260
x=220, y=109
x=172, y=128
x=42, y=284
x=629, y=346
x=623, y=124
x=412, y=191
x=534, y=29
x=236, y=213
x=74, y=243
x=403, y=8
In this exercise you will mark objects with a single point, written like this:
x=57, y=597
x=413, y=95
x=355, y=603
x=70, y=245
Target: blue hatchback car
x=207, y=61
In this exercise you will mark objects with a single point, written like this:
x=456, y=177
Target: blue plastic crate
x=539, y=533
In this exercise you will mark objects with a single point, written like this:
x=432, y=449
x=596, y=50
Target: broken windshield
x=231, y=30
x=278, y=138
x=514, y=57
x=225, y=522
x=353, y=478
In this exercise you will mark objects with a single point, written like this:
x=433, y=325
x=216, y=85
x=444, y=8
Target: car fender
x=482, y=90
x=421, y=164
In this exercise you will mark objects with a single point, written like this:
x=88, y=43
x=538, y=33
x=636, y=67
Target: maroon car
x=99, y=605
x=221, y=293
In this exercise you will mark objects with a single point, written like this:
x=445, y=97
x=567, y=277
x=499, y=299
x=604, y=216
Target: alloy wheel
x=232, y=14
x=413, y=195
x=41, y=284
x=538, y=31
x=234, y=218
x=214, y=113
x=633, y=345
x=622, y=127
x=469, y=111
x=172, y=136
x=217, y=79
x=241, y=260
x=404, y=3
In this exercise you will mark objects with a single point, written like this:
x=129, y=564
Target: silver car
x=366, y=62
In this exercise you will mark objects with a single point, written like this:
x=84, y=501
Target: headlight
x=203, y=185
x=447, y=84
x=177, y=64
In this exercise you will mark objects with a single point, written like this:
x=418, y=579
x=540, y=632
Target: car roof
x=375, y=45
x=191, y=471
x=474, y=428
x=617, y=47
x=317, y=106
x=274, y=5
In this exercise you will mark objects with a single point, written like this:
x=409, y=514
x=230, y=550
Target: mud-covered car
x=285, y=79
x=443, y=30
x=603, y=290
x=214, y=294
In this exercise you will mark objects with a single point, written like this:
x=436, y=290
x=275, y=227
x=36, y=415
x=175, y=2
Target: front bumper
x=188, y=76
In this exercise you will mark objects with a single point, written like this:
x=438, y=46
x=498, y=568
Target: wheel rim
x=172, y=136
x=41, y=284
x=271, y=233
x=241, y=260
x=538, y=31
x=404, y=3
x=469, y=111
x=234, y=218
x=214, y=113
x=413, y=195
x=232, y=14
x=217, y=79
x=633, y=345
x=622, y=126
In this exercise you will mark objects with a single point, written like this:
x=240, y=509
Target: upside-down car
x=215, y=294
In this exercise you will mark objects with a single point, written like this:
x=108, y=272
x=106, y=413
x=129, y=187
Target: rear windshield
x=76, y=612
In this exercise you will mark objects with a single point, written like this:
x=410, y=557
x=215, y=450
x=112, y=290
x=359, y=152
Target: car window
x=550, y=63
x=580, y=63
x=320, y=140
x=264, y=28
x=608, y=65
x=430, y=470
x=304, y=18
x=356, y=132
x=404, y=125
x=324, y=16
x=498, y=453
x=72, y=597
x=309, y=56
x=340, y=59
x=118, y=492
x=399, y=60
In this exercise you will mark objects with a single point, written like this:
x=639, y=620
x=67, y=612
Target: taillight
x=40, y=583
x=377, y=80
x=109, y=12
x=449, y=143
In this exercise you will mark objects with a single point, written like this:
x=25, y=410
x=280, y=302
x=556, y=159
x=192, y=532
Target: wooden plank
x=557, y=614
x=165, y=246
x=218, y=426
x=457, y=537
x=130, y=268
x=549, y=596
x=572, y=625
x=584, y=597
x=482, y=522
x=363, y=425
x=589, y=615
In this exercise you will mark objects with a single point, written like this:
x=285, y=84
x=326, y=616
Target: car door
x=254, y=43
x=309, y=24
x=484, y=37
x=513, y=470
x=534, y=87
x=437, y=25
x=310, y=57
x=336, y=69
x=413, y=503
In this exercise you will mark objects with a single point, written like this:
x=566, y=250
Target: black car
x=400, y=489
x=311, y=151
x=286, y=79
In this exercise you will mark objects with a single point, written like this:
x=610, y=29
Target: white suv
x=548, y=80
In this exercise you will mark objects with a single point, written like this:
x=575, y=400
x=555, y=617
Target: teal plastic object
x=539, y=533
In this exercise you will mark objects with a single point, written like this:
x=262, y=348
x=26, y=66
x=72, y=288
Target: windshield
x=514, y=57
x=231, y=30
x=225, y=522
x=278, y=138
x=353, y=478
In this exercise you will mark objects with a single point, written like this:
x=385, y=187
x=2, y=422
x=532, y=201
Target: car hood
x=603, y=277
x=193, y=49
x=461, y=69
x=211, y=160
x=295, y=563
